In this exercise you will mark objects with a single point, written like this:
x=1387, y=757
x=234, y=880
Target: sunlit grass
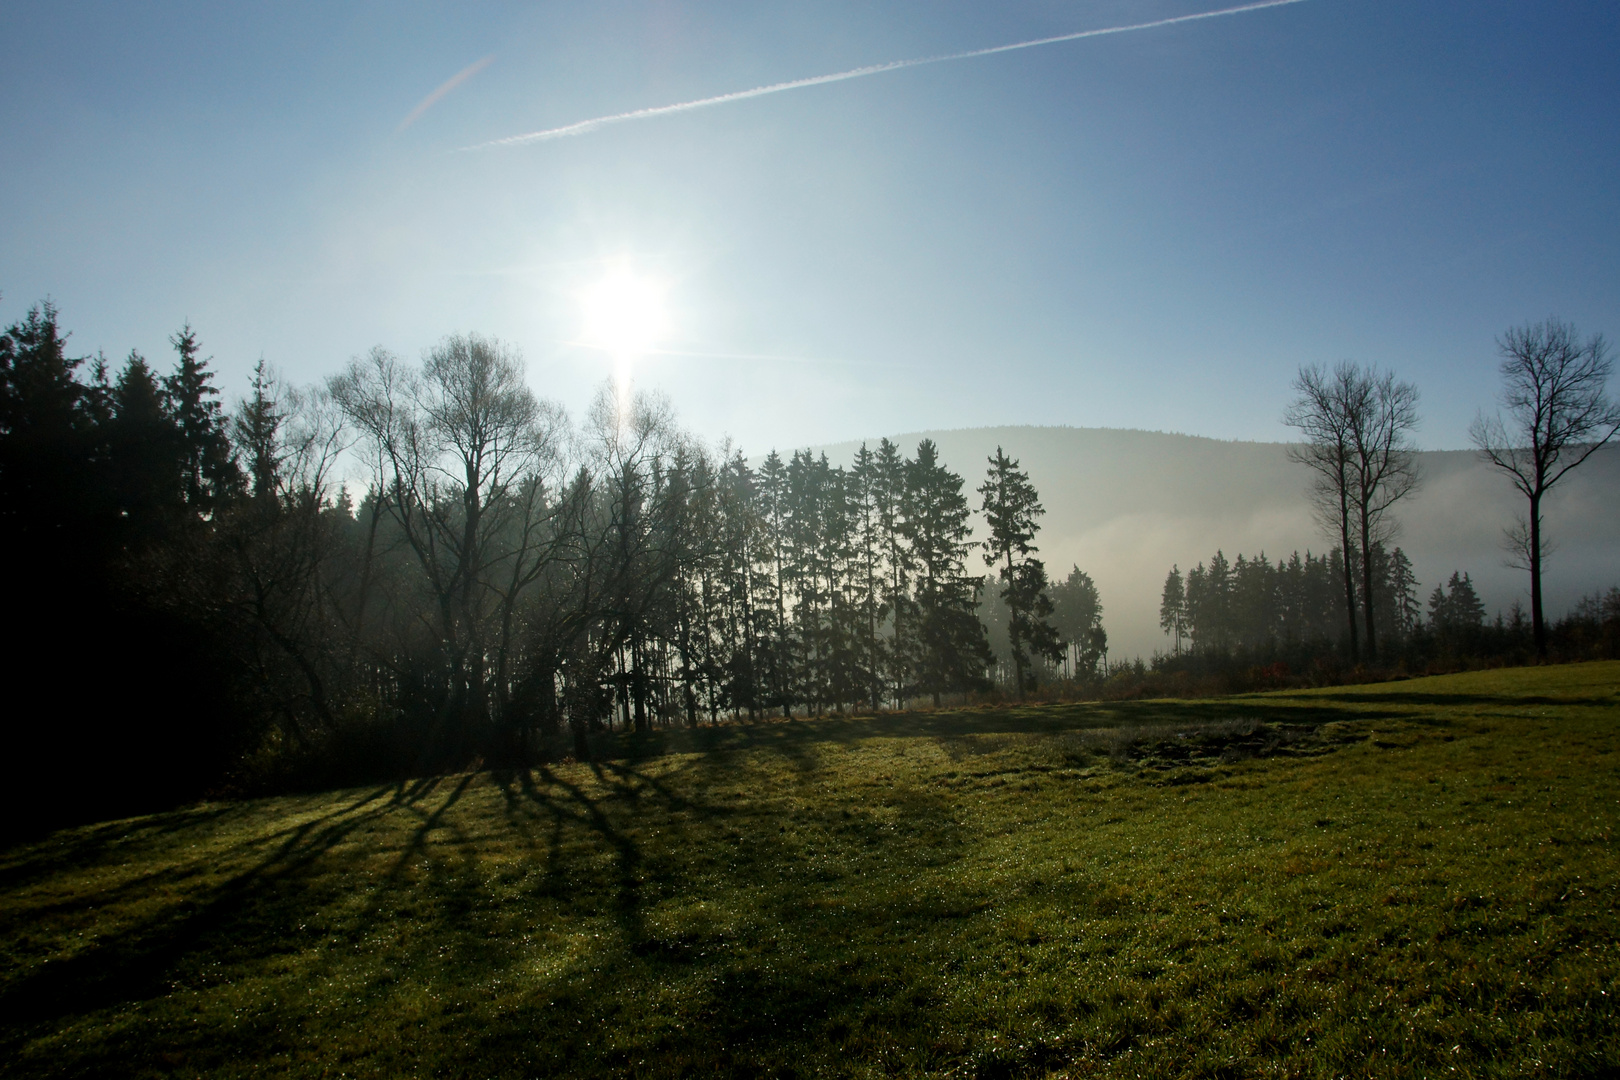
x=1410, y=879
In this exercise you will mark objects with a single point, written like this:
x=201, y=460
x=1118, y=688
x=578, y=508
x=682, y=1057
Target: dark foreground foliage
x=1412, y=879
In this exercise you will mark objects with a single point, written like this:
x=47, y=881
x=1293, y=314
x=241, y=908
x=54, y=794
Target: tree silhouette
x=1559, y=413
x=1173, y=609
x=208, y=467
x=952, y=653
x=1011, y=508
x=1320, y=413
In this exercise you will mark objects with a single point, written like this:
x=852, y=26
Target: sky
x=1151, y=229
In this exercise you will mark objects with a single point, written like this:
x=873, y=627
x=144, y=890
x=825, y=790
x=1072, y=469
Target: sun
x=624, y=314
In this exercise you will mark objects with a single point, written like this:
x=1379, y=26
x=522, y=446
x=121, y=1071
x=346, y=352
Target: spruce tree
x=778, y=652
x=256, y=427
x=1455, y=610
x=145, y=448
x=208, y=469
x=893, y=507
x=1011, y=507
x=952, y=653
x=1077, y=615
x=867, y=580
x=1173, y=609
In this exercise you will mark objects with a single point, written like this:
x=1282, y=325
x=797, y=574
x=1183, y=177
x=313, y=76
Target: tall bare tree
x=1383, y=416
x=1319, y=412
x=1358, y=426
x=464, y=447
x=1554, y=388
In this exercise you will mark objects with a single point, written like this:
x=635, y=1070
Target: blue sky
x=1147, y=230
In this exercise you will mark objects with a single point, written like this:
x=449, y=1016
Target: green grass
x=1410, y=879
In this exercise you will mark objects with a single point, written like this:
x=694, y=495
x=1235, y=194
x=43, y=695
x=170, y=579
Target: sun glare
x=624, y=314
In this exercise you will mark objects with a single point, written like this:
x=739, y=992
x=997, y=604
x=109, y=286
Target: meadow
x=1415, y=878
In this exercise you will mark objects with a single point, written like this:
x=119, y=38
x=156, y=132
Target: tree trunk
x=638, y=683
x=1538, y=627
x=1349, y=577
x=1012, y=631
x=1367, y=587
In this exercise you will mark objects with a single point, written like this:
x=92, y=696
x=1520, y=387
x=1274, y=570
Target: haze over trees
x=1357, y=425
x=1293, y=607
x=1077, y=613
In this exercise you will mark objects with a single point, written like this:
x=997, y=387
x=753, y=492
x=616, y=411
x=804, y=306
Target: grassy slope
x=1410, y=878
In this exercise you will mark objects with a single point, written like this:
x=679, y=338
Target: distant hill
x=1125, y=505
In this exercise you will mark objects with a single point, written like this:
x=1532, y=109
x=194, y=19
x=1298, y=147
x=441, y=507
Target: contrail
x=585, y=126
x=448, y=85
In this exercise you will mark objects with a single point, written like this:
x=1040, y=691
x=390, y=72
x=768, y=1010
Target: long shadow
x=627, y=855
x=260, y=902
x=568, y=803
x=255, y=907
x=26, y=861
x=849, y=960
x=430, y=822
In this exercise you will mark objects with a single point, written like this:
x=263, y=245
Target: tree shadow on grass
x=778, y=986
x=802, y=978
x=257, y=907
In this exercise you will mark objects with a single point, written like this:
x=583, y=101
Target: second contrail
x=585, y=126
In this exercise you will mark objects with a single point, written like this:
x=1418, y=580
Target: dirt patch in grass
x=1162, y=746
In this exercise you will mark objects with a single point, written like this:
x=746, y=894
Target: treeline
x=415, y=567
x=1298, y=603
x=1231, y=615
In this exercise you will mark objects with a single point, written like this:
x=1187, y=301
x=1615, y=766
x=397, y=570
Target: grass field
x=1408, y=879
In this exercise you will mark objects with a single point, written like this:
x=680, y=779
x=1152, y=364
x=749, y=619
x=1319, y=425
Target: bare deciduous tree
x=1358, y=426
x=463, y=448
x=1385, y=471
x=1329, y=452
x=1554, y=388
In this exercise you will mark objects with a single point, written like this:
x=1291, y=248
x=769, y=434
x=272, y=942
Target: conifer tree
x=1011, y=508
x=256, y=428
x=743, y=568
x=952, y=653
x=893, y=507
x=1395, y=588
x=774, y=498
x=1173, y=609
x=1455, y=610
x=208, y=470
x=867, y=546
x=1077, y=615
x=143, y=452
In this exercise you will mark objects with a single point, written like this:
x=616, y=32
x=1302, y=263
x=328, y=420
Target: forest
x=212, y=602
x=415, y=568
